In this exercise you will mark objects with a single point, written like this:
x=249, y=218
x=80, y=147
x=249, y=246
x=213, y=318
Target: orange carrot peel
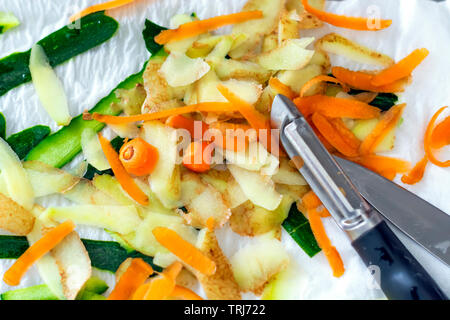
x=416, y=174
x=332, y=255
x=441, y=134
x=354, y=23
x=218, y=107
x=197, y=129
x=198, y=156
x=184, y=250
x=363, y=81
x=281, y=88
x=337, y=135
x=184, y=293
x=336, y=107
x=125, y=180
x=321, y=78
x=195, y=28
x=50, y=240
x=428, y=141
x=135, y=275
x=385, y=166
x=139, y=157
x=100, y=7
x=388, y=122
x=401, y=69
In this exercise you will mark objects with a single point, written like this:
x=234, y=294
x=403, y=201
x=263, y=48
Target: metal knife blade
x=421, y=221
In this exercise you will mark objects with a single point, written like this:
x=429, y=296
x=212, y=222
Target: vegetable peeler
x=401, y=275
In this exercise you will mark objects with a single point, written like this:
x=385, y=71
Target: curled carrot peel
x=50, y=240
x=344, y=143
x=427, y=142
x=218, y=107
x=198, y=156
x=441, y=134
x=336, y=107
x=184, y=250
x=135, y=275
x=388, y=122
x=363, y=81
x=386, y=166
x=100, y=7
x=416, y=174
x=125, y=180
x=332, y=255
x=321, y=78
x=184, y=293
x=354, y=23
x=283, y=89
x=401, y=69
x=195, y=28
x=196, y=129
x=139, y=157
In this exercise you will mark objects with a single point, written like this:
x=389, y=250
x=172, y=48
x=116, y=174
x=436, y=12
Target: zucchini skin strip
x=59, y=47
x=61, y=147
x=104, y=255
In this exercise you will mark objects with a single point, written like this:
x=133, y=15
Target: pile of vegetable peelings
x=162, y=204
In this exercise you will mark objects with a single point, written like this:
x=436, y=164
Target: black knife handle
x=401, y=276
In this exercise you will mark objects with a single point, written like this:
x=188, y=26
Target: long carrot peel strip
x=232, y=136
x=354, y=23
x=184, y=250
x=363, y=81
x=256, y=119
x=401, y=69
x=336, y=107
x=311, y=201
x=387, y=123
x=218, y=107
x=185, y=294
x=332, y=255
x=441, y=134
x=125, y=180
x=321, y=78
x=173, y=270
x=428, y=139
x=196, y=129
x=100, y=7
x=159, y=288
x=416, y=174
x=135, y=275
x=385, y=166
x=50, y=240
x=346, y=143
x=281, y=88
x=195, y=28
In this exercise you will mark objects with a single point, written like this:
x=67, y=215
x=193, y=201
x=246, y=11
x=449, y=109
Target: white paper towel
x=92, y=75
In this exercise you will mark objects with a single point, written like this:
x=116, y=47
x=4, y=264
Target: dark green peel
x=23, y=142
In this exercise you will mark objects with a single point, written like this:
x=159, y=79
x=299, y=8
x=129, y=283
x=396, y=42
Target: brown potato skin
x=14, y=218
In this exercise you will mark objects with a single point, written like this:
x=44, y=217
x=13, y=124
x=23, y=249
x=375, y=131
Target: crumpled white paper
x=92, y=75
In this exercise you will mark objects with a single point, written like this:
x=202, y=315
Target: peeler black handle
x=401, y=276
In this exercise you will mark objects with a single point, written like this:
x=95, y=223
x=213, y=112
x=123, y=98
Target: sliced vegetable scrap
x=402, y=69
x=125, y=180
x=363, y=81
x=8, y=21
x=337, y=134
x=184, y=250
x=441, y=134
x=194, y=28
x=134, y=276
x=428, y=141
x=198, y=156
x=139, y=157
x=217, y=107
x=184, y=293
x=355, y=23
x=182, y=122
x=381, y=164
x=281, y=88
x=334, y=259
x=333, y=107
x=100, y=7
x=388, y=121
x=50, y=240
x=416, y=174
x=321, y=78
